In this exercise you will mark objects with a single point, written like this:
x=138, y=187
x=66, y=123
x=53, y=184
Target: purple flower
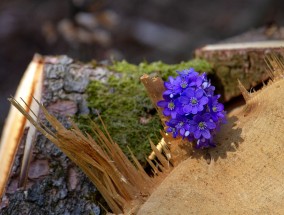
x=170, y=107
x=172, y=128
x=181, y=83
x=192, y=77
x=180, y=125
x=170, y=87
x=205, y=143
x=206, y=85
x=192, y=108
x=187, y=73
x=201, y=126
x=216, y=109
x=192, y=101
x=195, y=81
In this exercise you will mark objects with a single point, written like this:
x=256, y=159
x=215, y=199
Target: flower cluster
x=192, y=108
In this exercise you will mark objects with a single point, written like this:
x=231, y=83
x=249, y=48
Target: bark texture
x=243, y=63
x=232, y=64
x=55, y=184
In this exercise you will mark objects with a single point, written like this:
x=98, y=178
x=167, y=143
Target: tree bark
x=55, y=185
x=242, y=57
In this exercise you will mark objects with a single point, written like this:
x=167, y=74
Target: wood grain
x=15, y=122
x=246, y=173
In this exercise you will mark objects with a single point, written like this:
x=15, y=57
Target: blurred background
x=167, y=30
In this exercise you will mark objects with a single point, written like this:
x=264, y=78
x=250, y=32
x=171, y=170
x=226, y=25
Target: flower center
x=171, y=105
x=214, y=109
x=193, y=101
x=183, y=84
x=202, y=125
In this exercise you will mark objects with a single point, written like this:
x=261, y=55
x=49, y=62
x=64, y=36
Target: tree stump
x=55, y=185
x=241, y=57
x=245, y=172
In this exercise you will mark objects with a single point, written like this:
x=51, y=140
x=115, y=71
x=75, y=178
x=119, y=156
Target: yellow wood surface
x=246, y=173
x=15, y=122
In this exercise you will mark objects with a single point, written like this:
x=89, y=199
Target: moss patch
x=124, y=106
x=163, y=70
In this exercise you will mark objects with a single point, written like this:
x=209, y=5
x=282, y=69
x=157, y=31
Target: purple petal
x=197, y=118
x=171, y=79
x=198, y=81
x=184, y=100
x=178, y=79
x=189, y=92
x=168, y=85
x=192, y=122
x=180, y=110
x=193, y=73
x=203, y=100
x=210, y=125
x=220, y=107
x=193, y=128
x=173, y=114
x=194, y=110
x=187, y=108
x=186, y=126
x=221, y=115
x=168, y=92
x=169, y=129
x=214, y=117
x=199, y=94
x=200, y=107
x=197, y=134
x=167, y=112
x=206, y=117
x=162, y=103
x=206, y=134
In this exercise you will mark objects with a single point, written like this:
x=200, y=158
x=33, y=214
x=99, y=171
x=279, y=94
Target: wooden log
x=62, y=92
x=241, y=57
x=245, y=171
x=16, y=124
x=238, y=61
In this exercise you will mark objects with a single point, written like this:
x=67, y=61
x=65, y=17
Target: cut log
x=64, y=89
x=62, y=93
x=241, y=57
x=245, y=171
x=16, y=123
x=238, y=61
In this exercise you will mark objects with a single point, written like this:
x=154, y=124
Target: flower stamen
x=193, y=101
x=171, y=105
x=201, y=125
x=183, y=84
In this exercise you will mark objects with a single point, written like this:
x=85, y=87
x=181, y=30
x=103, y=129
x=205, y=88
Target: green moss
x=162, y=69
x=125, y=107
